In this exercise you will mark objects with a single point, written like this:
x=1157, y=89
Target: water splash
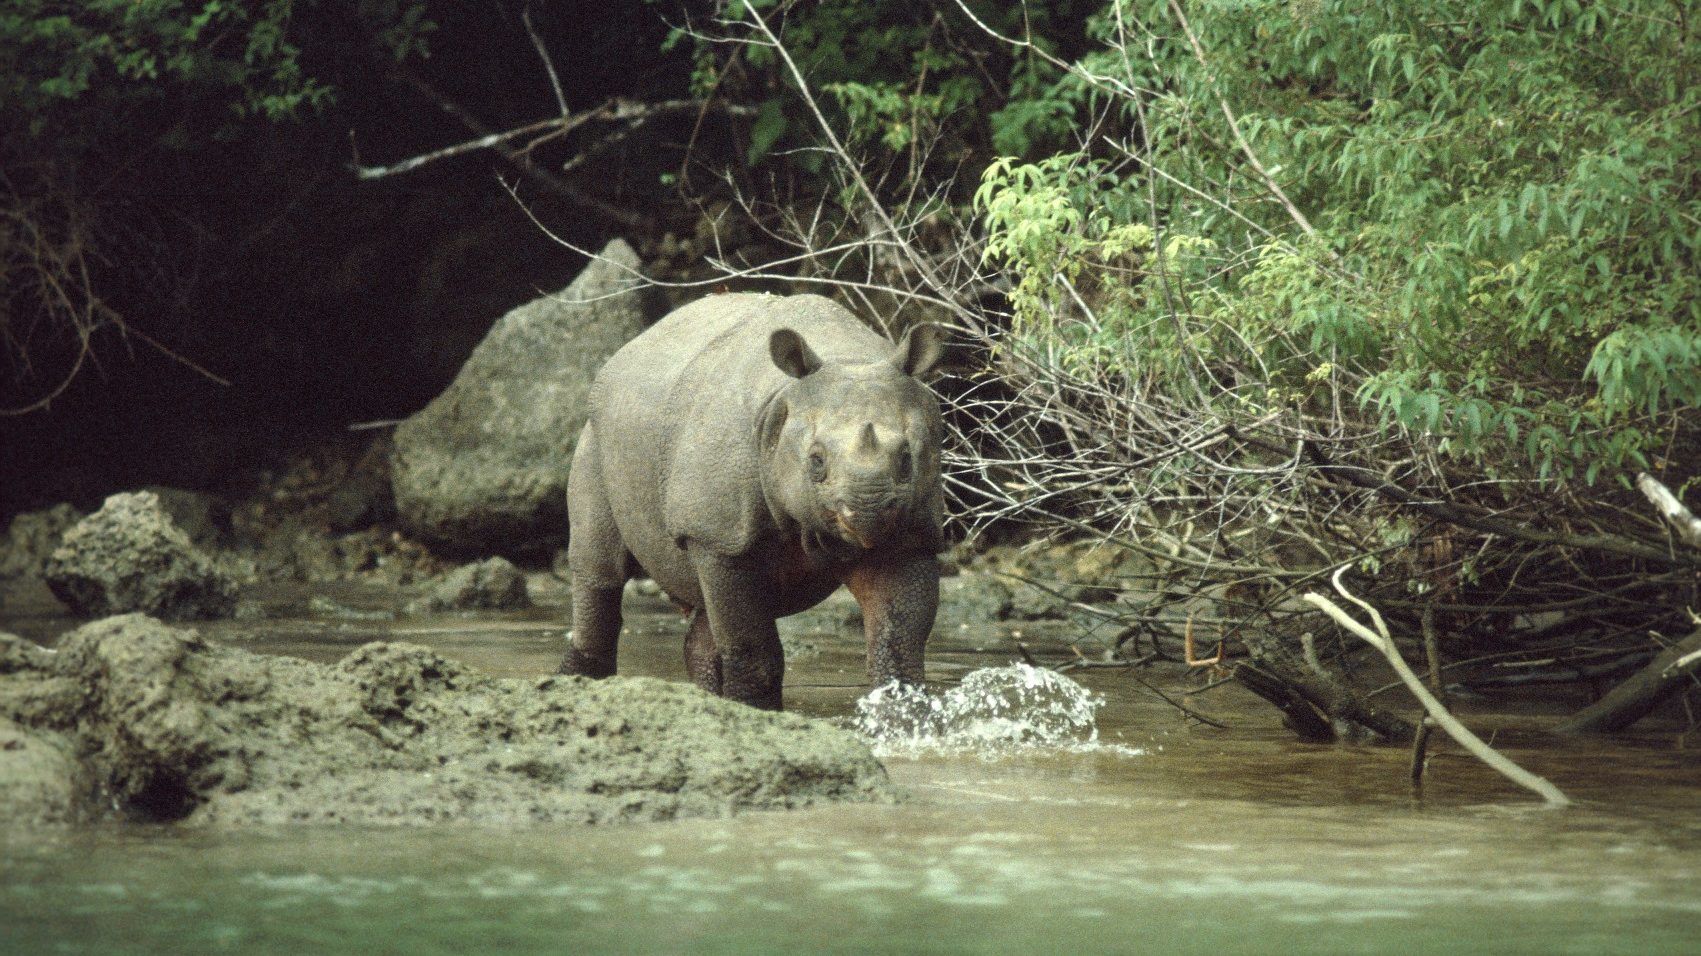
x=992, y=711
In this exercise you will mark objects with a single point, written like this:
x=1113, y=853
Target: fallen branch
x=618, y=110
x=1316, y=705
x=1382, y=641
x=1682, y=520
x=1639, y=694
x=1456, y=514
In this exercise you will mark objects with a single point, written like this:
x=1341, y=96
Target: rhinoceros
x=752, y=453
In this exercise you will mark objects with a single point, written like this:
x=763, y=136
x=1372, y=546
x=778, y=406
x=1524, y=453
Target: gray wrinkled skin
x=752, y=453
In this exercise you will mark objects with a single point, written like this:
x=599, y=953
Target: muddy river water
x=1163, y=835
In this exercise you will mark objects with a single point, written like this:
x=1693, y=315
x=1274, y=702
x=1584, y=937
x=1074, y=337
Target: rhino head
x=851, y=451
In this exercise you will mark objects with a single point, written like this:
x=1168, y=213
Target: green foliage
x=101, y=96
x=66, y=64
x=1505, y=205
x=896, y=76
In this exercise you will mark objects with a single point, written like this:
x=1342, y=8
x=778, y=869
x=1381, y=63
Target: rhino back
x=675, y=413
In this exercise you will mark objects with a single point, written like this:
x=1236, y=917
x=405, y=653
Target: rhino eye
x=817, y=467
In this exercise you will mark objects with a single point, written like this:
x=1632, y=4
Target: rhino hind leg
x=600, y=564
x=702, y=656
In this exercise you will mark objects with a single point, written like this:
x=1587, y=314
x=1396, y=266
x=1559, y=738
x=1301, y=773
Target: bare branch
x=1382, y=641
x=548, y=64
x=1240, y=138
x=1682, y=520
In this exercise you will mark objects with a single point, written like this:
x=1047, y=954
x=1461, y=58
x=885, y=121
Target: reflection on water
x=1105, y=824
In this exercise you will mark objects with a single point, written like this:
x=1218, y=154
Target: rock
x=40, y=781
x=173, y=727
x=17, y=654
x=359, y=502
x=299, y=550
x=204, y=518
x=490, y=585
x=321, y=606
x=129, y=556
x=974, y=598
x=484, y=466
x=1076, y=572
x=363, y=498
x=249, y=609
x=31, y=538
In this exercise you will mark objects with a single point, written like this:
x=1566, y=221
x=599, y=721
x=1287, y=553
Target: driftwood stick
x=1382, y=641
x=1420, y=740
x=1639, y=694
x=1682, y=520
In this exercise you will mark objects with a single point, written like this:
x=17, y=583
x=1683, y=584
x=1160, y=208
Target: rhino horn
x=867, y=441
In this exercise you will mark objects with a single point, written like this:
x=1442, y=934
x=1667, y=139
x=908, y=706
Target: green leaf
x=770, y=125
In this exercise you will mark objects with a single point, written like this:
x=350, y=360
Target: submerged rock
x=484, y=466
x=130, y=556
x=493, y=584
x=31, y=538
x=172, y=727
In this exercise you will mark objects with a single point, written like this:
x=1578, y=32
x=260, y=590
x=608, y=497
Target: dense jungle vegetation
x=1252, y=289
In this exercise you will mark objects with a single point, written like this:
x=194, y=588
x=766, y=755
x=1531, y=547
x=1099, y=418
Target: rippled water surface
x=1136, y=831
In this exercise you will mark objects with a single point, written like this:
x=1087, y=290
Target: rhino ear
x=920, y=350
x=792, y=354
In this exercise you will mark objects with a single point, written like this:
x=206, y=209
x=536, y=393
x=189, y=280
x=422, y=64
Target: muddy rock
x=974, y=598
x=484, y=466
x=362, y=500
x=130, y=556
x=171, y=727
x=31, y=538
x=300, y=550
x=1037, y=582
x=40, y=782
x=204, y=518
x=493, y=584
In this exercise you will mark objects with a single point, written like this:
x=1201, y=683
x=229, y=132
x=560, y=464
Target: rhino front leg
x=899, y=596
x=741, y=619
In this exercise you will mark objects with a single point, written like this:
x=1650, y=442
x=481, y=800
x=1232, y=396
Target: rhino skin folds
x=752, y=453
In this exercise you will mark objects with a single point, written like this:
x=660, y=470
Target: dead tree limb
x=1315, y=705
x=1637, y=696
x=1382, y=641
x=1682, y=520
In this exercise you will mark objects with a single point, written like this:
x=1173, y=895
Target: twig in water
x=1178, y=705
x=1382, y=641
x=1027, y=655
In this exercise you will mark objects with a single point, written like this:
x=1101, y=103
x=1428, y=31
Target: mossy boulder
x=131, y=556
